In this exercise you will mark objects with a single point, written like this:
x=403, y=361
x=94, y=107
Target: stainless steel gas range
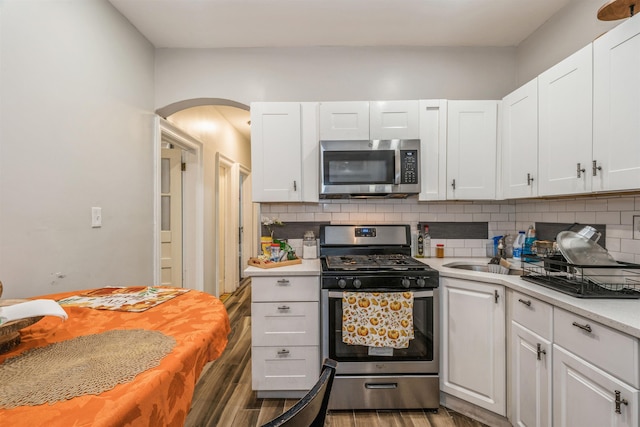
x=369, y=263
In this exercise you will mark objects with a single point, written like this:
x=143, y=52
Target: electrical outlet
x=636, y=227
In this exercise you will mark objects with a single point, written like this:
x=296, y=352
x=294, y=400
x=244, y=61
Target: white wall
x=226, y=140
x=333, y=73
x=75, y=132
x=566, y=32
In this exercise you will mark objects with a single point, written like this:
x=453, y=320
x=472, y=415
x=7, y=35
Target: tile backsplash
x=616, y=212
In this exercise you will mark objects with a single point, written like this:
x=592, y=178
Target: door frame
x=192, y=207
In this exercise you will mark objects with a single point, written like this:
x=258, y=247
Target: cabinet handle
x=540, y=351
x=595, y=168
x=586, y=327
x=527, y=302
x=453, y=184
x=284, y=308
x=580, y=171
x=496, y=295
x=283, y=352
x=619, y=401
x=283, y=282
x=295, y=186
x=529, y=179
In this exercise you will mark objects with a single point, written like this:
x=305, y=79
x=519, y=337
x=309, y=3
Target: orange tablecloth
x=160, y=396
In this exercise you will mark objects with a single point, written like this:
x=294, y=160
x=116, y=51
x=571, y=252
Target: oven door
x=369, y=167
x=421, y=357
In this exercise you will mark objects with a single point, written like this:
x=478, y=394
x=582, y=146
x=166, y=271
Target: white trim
x=193, y=240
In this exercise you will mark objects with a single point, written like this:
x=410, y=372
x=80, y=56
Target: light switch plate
x=636, y=227
x=96, y=217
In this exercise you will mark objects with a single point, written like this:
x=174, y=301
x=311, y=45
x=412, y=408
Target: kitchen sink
x=476, y=266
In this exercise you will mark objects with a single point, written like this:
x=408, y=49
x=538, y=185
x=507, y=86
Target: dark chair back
x=311, y=410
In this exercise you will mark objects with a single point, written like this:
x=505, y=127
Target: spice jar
x=440, y=250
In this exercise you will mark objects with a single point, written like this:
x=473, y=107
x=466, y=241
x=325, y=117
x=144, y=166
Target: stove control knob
x=421, y=282
x=342, y=283
x=357, y=283
x=406, y=283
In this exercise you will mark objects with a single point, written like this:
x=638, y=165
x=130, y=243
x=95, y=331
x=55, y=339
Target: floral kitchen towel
x=377, y=319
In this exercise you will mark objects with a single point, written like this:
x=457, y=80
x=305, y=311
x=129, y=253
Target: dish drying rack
x=621, y=281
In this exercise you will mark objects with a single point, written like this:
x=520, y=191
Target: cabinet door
x=284, y=368
x=433, y=150
x=473, y=343
x=520, y=142
x=530, y=378
x=471, y=149
x=276, y=151
x=344, y=121
x=616, y=107
x=586, y=396
x=565, y=139
x=394, y=120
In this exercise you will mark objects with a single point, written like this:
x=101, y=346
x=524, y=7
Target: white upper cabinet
x=283, y=140
x=394, y=120
x=364, y=120
x=347, y=120
x=616, y=107
x=471, y=149
x=433, y=149
x=565, y=115
x=520, y=142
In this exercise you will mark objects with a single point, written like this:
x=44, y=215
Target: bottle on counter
x=518, y=243
x=527, y=248
x=418, y=247
x=440, y=250
x=426, y=242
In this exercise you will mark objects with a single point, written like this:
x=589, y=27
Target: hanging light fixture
x=617, y=9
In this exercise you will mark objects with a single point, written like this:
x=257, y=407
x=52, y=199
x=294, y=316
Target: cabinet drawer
x=285, y=368
x=608, y=349
x=285, y=288
x=285, y=323
x=533, y=314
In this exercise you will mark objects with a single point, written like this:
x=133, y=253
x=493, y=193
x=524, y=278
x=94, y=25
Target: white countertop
x=309, y=267
x=620, y=314
x=623, y=315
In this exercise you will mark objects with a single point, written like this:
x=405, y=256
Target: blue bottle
x=527, y=248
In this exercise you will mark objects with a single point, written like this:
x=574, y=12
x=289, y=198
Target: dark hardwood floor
x=223, y=395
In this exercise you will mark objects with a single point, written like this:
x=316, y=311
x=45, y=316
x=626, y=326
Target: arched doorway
x=228, y=221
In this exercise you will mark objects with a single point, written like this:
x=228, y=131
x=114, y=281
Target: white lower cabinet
x=285, y=335
x=595, y=374
x=474, y=343
x=587, y=396
x=531, y=361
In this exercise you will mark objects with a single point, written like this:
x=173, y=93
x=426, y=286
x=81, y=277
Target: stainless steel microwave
x=374, y=168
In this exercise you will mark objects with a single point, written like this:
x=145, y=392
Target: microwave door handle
x=396, y=180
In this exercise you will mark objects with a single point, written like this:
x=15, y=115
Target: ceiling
x=300, y=23
x=277, y=23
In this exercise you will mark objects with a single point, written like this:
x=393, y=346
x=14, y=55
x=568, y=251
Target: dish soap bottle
x=527, y=248
x=426, y=242
x=517, y=246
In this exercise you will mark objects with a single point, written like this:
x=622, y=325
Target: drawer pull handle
x=284, y=308
x=540, y=351
x=283, y=282
x=620, y=401
x=496, y=295
x=283, y=352
x=527, y=302
x=378, y=386
x=586, y=327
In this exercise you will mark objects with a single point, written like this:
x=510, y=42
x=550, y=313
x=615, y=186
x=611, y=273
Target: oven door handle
x=418, y=294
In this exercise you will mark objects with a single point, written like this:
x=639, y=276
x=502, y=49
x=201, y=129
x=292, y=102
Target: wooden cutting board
x=255, y=262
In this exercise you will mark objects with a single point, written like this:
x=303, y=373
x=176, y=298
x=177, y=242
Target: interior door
x=171, y=217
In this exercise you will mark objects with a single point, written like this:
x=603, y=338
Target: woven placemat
x=89, y=364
